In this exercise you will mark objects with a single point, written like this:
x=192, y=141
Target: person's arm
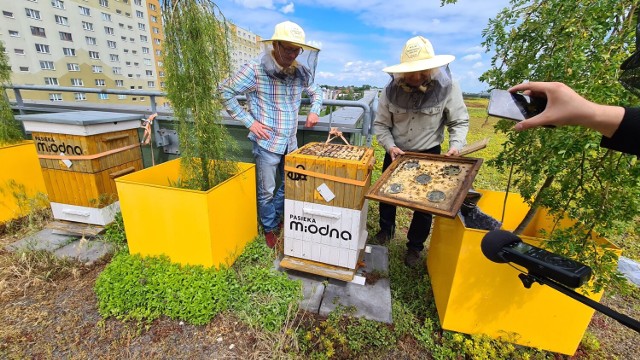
x=625, y=138
x=566, y=107
x=457, y=120
x=242, y=82
x=315, y=93
x=382, y=125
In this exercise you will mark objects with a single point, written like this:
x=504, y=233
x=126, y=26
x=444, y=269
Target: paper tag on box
x=326, y=193
x=67, y=162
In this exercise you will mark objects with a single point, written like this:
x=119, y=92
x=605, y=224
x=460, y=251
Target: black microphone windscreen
x=493, y=242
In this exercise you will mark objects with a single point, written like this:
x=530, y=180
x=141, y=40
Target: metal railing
x=326, y=122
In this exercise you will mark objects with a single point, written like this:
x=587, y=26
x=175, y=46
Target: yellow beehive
x=344, y=169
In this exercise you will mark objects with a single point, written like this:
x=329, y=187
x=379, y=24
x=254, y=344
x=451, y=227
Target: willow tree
x=196, y=59
x=10, y=131
x=581, y=43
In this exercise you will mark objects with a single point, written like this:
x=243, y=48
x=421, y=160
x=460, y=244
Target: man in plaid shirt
x=273, y=85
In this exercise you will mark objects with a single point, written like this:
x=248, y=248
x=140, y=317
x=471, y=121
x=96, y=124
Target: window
x=157, y=41
x=47, y=65
x=18, y=51
x=36, y=31
x=77, y=82
x=100, y=82
x=84, y=11
x=80, y=96
x=136, y=64
x=154, y=19
x=34, y=14
x=90, y=40
x=139, y=14
x=142, y=27
x=130, y=75
x=158, y=52
x=147, y=61
x=138, y=2
x=58, y=4
x=111, y=44
x=96, y=69
x=149, y=73
x=143, y=38
x=127, y=15
x=116, y=70
x=151, y=84
x=114, y=57
x=61, y=20
x=119, y=12
x=8, y=14
x=122, y=97
x=73, y=67
x=161, y=73
x=103, y=96
x=69, y=51
x=128, y=63
x=106, y=17
x=152, y=7
x=121, y=25
x=141, y=98
x=132, y=39
x=24, y=68
x=42, y=49
x=120, y=83
x=156, y=30
x=160, y=64
x=94, y=55
x=87, y=26
x=51, y=81
x=126, y=51
x=65, y=36
x=55, y=96
x=123, y=38
x=130, y=27
x=14, y=33
x=104, y=3
x=108, y=30
x=134, y=52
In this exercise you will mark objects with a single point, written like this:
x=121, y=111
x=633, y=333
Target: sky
x=358, y=38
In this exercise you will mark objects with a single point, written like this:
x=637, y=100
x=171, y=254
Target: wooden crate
x=344, y=169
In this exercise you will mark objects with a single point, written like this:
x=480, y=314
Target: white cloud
x=474, y=49
x=472, y=57
x=287, y=9
x=477, y=65
x=255, y=4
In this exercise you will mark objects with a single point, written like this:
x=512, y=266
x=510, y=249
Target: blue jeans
x=270, y=202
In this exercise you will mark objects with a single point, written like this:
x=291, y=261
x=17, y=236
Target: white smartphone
x=517, y=107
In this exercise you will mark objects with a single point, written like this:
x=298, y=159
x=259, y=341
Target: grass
x=50, y=309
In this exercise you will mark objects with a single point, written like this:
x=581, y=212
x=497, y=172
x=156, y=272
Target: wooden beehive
x=344, y=169
x=81, y=153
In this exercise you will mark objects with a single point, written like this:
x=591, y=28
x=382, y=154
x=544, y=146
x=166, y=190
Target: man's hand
x=261, y=131
x=395, y=152
x=452, y=152
x=312, y=120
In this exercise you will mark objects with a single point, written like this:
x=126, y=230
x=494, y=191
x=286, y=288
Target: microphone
x=502, y=246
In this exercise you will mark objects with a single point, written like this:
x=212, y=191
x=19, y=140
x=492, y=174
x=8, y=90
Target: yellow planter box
x=476, y=296
x=207, y=228
x=20, y=178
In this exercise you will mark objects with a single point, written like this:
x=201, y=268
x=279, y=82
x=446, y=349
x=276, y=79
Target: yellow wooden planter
x=207, y=228
x=476, y=296
x=20, y=180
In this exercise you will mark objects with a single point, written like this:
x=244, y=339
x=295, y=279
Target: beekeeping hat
x=290, y=32
x=418, y=55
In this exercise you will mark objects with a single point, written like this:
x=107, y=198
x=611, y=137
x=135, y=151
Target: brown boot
x=383, y=237
x=272, y=239
x=412, y=258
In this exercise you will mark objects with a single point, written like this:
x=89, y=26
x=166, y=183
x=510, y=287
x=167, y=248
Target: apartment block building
x=111, y=44
x=114, y=44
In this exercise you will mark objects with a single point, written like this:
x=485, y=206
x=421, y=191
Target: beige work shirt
x=423, y=129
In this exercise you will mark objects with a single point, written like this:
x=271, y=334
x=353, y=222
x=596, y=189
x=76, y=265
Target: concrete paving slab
x=45, y=239
x=371, y=301
x=85, y=251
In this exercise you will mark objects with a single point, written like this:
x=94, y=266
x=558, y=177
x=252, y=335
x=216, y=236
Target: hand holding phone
x=512, y=106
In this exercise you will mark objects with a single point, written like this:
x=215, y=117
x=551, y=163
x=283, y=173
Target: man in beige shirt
x=413, y=111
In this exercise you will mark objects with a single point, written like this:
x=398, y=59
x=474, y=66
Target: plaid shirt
x=272, y=102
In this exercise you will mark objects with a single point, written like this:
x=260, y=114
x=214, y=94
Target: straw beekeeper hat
x=290, y=32
x=418, y=55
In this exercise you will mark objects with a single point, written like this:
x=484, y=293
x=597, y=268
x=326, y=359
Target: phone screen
x=516, y=107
